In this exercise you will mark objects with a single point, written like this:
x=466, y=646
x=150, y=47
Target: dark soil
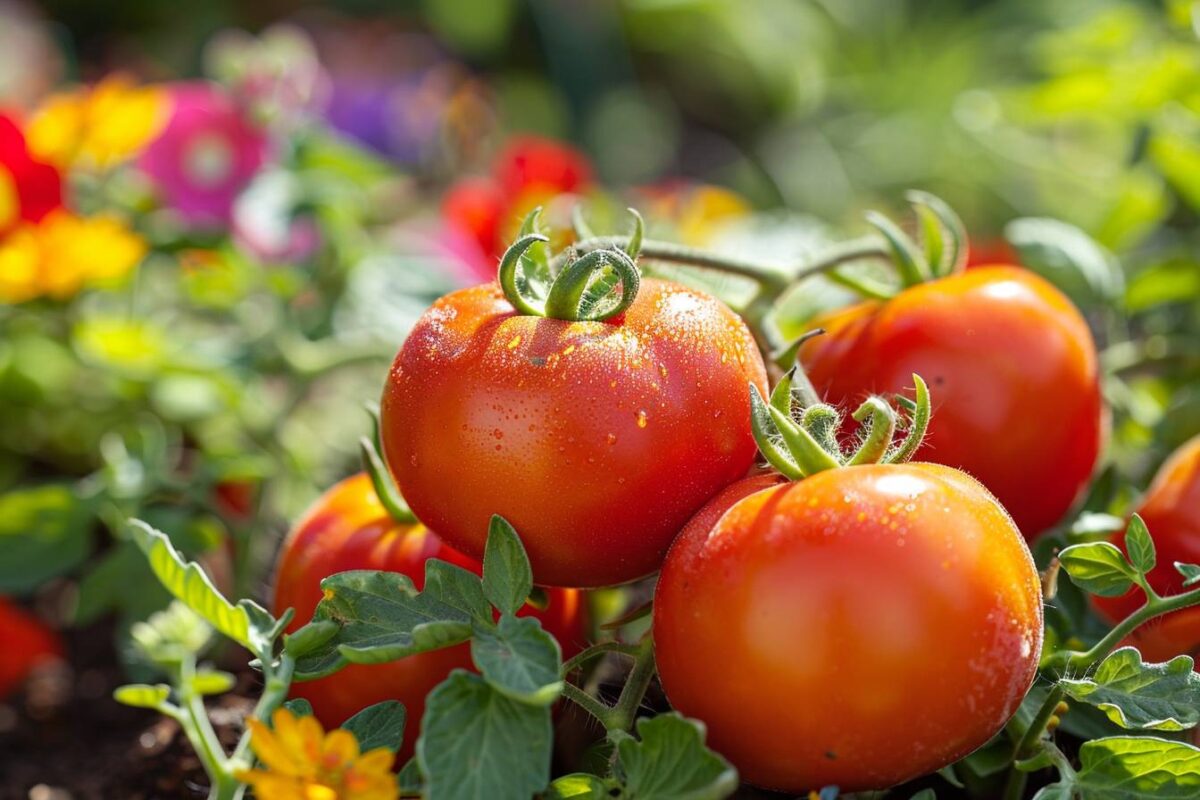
x=65, y=738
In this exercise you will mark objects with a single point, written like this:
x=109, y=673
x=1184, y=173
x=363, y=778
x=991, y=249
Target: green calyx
x=381, y=478
x=798, y=434
x=600, y=284
x=941, y=248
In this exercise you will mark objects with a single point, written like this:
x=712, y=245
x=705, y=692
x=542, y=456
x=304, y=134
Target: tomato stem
x=623, y=714
x=385, y=489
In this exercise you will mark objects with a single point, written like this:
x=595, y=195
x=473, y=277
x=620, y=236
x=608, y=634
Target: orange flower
x=100, y=127
x=302, y=762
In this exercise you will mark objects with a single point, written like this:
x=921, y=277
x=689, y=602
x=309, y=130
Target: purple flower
x=205, y=156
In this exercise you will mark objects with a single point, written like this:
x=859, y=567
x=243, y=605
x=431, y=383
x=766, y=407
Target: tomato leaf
x=382, y=617
x=1139, y=545
x=507, y=576
x=142, y=695
x=378, y=725
x=1067, y=257
x=1190, y=573
x=506, y=743
x=457, y=587
x=192, y=586
x=410, y=779
x=519, y=659
x=671, y=760
x=1141, y=696
x=1131, y=768
x=1098, y=567
x=299, y=707
x=44, y=532
x=578, y=786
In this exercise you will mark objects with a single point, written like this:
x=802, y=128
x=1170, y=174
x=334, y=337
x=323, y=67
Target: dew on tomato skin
x=611, y=438
x=641, y=418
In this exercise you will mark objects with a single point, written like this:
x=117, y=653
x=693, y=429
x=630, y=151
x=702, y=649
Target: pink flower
x=205, y=156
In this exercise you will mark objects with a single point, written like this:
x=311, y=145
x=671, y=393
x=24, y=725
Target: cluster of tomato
x=806, y=622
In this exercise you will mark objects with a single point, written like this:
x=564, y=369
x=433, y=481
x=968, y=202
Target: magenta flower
x=205, y=156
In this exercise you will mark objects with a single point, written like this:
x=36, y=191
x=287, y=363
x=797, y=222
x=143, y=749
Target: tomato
x=1171, y=511
x=1013, y=371
x=27, y=643
x=596, y=440
x=348, y=528
x=860, y=627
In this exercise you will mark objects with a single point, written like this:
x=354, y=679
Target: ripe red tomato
x=860, y=627
x=1013, y=371
x=596, y=440
x=1171, y=511
x=27, y=643
x=348, y=528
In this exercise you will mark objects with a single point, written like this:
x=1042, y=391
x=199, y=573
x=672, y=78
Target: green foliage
x=1140, y=696
x=506, y=742
x=519, y=659
x=141, y=695
x=44, y=532
x=380, y=725
x=1099, y=568
x=669, y=760
x=1130, y=768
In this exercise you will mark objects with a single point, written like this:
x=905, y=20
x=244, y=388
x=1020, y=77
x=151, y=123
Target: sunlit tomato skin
x=347, y=529
x=596, y=440
x=1012, y=368
x=860, y=627
x=27, y=643
x=1171, y=511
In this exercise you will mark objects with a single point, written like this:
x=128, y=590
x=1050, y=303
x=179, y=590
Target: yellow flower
x=100, y=127
x=302, y=762
x=64, y=253
x=20, y=260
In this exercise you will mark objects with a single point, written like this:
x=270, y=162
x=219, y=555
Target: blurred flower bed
x=199, y=273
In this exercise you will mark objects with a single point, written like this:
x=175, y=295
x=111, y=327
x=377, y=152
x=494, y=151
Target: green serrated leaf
x=1098, y=567
x=212, y=682
x=671, y=762
x=519, y=659
x=192, y=586
x=457, y=587
x=44, y=532
x=506, y=743
x=1131, y=768
x=383, y=617
x=142, y=695
x=925, y=794
x=507, y=576
x=299, y=707
x=1139, y=545
x=579, y=786
x=409, y=778
x=310, y=638
x=379, y=725
x=1141, y=696
x=1067, y=257
x=1190, y=573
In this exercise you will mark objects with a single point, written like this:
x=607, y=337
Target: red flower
x=29, y=189
x=529, y=171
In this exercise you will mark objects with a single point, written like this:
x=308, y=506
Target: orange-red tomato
x=860, y=627
x=27, y=643
x=1171, y=511
x=1013, y=372
x=596, y=440
x=347, y=529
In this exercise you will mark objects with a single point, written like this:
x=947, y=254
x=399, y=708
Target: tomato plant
x=1012, y=365
x=348, y=528
x=861, y=600
x=546, y=411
